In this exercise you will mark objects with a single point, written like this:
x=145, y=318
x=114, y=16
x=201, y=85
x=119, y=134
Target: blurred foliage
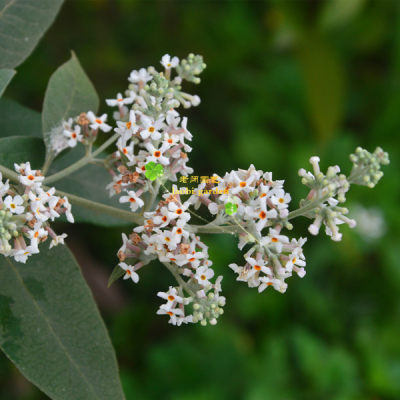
x=285, y=80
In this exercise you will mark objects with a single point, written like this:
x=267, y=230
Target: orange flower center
x=242, y=184
x=262, y=215
x=31, y=177
x=99, y=121
x=171, y=298
x=257, y=267
x=132, y=200
x=157, y=153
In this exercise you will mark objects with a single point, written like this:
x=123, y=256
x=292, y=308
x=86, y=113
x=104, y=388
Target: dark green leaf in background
x=22, y=24
x=324, y=84
x=21, y=149
x=51, y=328
x=68, y=93
x=17, y=120
x=5, y=78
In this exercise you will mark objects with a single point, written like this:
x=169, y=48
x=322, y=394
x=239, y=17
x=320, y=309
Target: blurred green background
x=285, y=80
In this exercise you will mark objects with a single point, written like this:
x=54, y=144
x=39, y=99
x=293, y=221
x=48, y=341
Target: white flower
x=14, y=204
x=28, y=176
x=37, y=233
x=98, y=122
x=68, y=214
x=23, y=254
x=73, y=136
x=156, y=155
x=120, y=100
x=172, y=298
x=141, y=75
x=176, y=314
x=203, y=274
x=130, y=272
x=151, y=128
x=58, y=240
x=169, y=63
x=134, y=200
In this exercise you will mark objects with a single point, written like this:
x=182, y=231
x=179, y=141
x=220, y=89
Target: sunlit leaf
x=5, y=78
x=22, y=24
x=69, y=93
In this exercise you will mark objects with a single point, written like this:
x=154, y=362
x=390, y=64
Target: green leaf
x=339, y=12
x=153, y=170
x=5, y=78
x=22, y=24
x=231, y=208
x=19, y=149
x=324, y=80
x=17, y=120
x=116, y=273
x=52, y=330
x=68, y=93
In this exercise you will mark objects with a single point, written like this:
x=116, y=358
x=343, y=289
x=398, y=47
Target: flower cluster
x=151, y=130
x=254, y=202
x=164, y=235
x=25, y=212
x=152, y=150
x=81, y=129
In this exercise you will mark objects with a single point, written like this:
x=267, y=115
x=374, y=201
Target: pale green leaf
x=52, y=330
x=22, y=24
x=5, y=78
x=116, y=273
x=69, y=93
x=17, y=120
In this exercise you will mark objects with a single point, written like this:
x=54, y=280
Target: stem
x=102, y=208
x=9, y=174
x=181, y=282
x=232, y=229
x=82, y=162
x=154, y=194
x=307, y=208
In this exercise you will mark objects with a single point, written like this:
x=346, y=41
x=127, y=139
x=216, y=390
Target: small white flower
x=73, y=136
x=156, y=155
x=98, y=122
x=169, y=63
x=151, y=128
x=58, y=240
x=134, y=200
x=130, y=272
x=172, y=297
x=120, y=100
x=14, y=204
x=141, y=75
x=203, y=274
